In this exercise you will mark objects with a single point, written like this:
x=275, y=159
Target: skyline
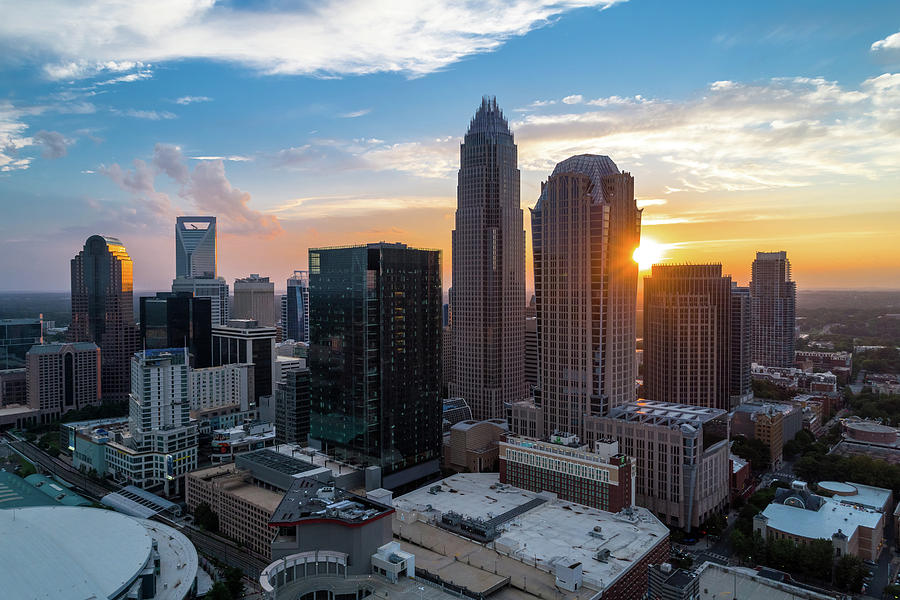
x=743, y=134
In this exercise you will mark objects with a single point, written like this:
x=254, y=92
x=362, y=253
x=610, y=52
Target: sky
x=747, y=126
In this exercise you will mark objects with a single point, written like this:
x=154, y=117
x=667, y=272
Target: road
x=207, y=543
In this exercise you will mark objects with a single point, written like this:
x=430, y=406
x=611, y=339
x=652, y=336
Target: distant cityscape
x=358, y=437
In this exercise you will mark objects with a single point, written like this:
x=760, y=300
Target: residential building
x=602, y=477
x=687, y=335
x=585, y=228
x=295, y=307
x=63, y=377
x=228, y=385
x=773, y=299
x=839, y=363
x=474, y=446
x=195, y=247
x=254, y=298
x=103, y=310
x=17, y=336
x=246, y=341
x=740, y=383
x=797, y=514
x=213, y=288
x=681, y=455
x=375, y=357
x=488, y=297
x=556, y=545
x=178, y=319
x=292, y=408
x=792, y=378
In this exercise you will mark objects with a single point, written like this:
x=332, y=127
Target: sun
x=648, y=253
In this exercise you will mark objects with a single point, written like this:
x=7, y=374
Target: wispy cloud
x=54, y=143
x=152, y=115
x=573, y=99
x=184, y=100
x=232, y=158
x=355, y=113
x=314, y=207
x=326, y=38
x=891, y=42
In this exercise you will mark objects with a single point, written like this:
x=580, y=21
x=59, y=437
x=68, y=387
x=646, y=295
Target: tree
x=891, y=591
x=849, y=573
x=219, y=591
x=234, y=581
x=206, y=518
x=753, y=450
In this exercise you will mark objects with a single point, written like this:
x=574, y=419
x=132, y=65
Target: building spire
x=489, y=118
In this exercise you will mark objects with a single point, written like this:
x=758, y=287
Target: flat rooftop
x=277, y=461
x=665, y=413
x=310, y=499
x=239, y=483
x=551, y=531
x=312, y=456
x=822, y=523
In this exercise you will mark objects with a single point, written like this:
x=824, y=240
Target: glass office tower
x=172, y=320
x=375, y=357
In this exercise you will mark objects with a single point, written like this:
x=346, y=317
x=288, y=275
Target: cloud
x=53, y=143
x=231, y=157
x=205, y=188
x=152, y=115
x=891, y=42
x=355, y=113
x=192, y=99
x=12, y=126
x=573, y=99
x=641, y=203
x=332, y=37
x=315, y=207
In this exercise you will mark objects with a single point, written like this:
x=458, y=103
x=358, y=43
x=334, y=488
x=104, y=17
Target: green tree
x=849, y=573
x=219, y=591
x=234, y=581
x=206, y=518
x=752, y=450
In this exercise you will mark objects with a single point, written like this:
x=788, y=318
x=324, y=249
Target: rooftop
x=57, y=348
x=15, y=492
x=857, y=493
x=239, y=483
x=544, y=531
x=665, y=413
x=822, y=523
x=309, y=499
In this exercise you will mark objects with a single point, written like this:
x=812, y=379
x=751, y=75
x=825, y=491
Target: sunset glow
x=649, y=252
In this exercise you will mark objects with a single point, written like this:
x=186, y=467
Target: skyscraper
x=295, y=307
x=195, y=247
x=375, y=357
x=773, y=299
x=215, y=289
x=292, y=408
x=585, y=228
x=254, y=298
x=170, y=320
x=687, y=335
x=17, y=336
x=246, y=341
x=741, y=389
x=103, y=310
x=488, y=299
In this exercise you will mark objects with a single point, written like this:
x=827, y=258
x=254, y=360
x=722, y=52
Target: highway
x=209, y=544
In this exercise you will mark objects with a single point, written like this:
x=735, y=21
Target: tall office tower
x=17, y=336
x=741, y=389
x=687, y=335
x=172, y=320
x=531, y=353
x=773, y=298
x=103, y=310
x=215, y=289
x=295, y=307
x=292, y=408
x=62, y=377
x=161, y=437
x=446, y=355
x=246, y=341
x=488, y=269
x=375, y=357
x=254, y=298
x=195, y=247
x=585, y=228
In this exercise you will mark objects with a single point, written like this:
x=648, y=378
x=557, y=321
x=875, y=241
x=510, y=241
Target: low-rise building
x=857, y=494
x=792, y=378
x=62, y=377
x=243, y=438
x=741, y=480
x=603, y=478
x=717, y=581
x=801, y=516
x=473, y=446
x=839, y=363
x=534, y=542
x=666, y=583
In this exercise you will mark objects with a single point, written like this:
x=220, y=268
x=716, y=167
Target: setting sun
x=649, y=252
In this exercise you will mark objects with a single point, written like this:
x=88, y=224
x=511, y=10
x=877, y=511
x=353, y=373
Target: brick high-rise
x=488, y=299
x=103, y=310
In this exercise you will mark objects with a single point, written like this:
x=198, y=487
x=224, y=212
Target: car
x=871, y=563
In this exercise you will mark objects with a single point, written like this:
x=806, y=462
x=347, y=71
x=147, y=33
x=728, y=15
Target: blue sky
x=746, y=125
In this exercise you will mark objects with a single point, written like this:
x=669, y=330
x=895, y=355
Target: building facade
x=295, y=307
x=171, y=320
x=681, y=457
x=292, y=408
x=254, y=298
x=63, y=377
x=228, y=385
x=488, y=297
x=602, y=478
x=17, y=336
x=244, y=341
x=103, y=310
x=687, y=335
x=375, y=356
x=585, y=228
x=195, y=247
x=773, y=298
x=213, y=288
x=741, y=387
